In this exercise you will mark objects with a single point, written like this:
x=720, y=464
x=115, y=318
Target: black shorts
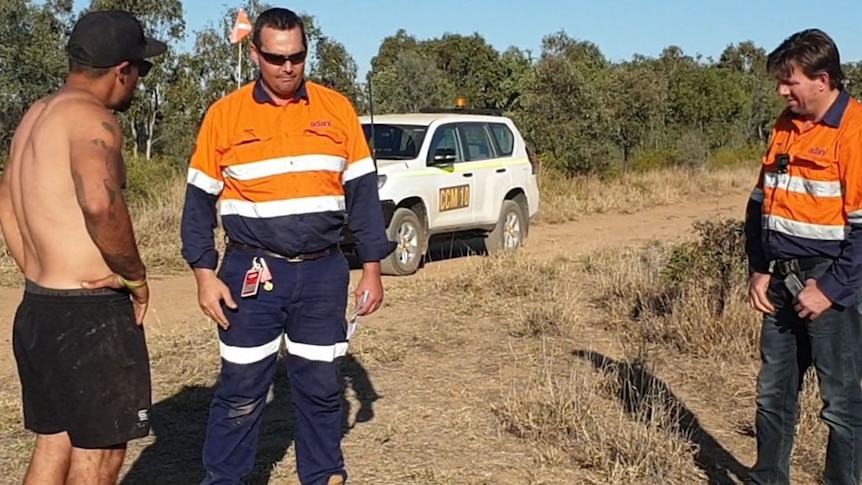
x=83, y=365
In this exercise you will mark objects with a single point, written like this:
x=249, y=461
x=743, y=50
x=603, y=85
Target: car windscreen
x=395, y=142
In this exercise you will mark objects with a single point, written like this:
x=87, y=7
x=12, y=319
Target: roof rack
x=466, y=111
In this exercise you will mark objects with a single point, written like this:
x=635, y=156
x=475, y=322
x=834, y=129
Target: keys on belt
x=785, y=267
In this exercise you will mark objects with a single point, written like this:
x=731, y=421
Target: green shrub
x=716, y=260
x=729, y=158
x=152, y=178
x=653, y=159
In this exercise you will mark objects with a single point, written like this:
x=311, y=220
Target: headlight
x=381, y=179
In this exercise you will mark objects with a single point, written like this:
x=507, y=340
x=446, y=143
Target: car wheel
x=408, y=232
x=511, y=228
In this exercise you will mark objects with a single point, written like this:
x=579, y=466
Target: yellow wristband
x=132, y=284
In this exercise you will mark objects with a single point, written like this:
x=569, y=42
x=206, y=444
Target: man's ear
x=254, y=55
x=123, y=69
x=823, y=77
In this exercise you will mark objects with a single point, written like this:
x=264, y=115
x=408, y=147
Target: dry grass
x=610, y=421
x=715, y=354
x=566, y=199
x=644, y=309
x=577, y=420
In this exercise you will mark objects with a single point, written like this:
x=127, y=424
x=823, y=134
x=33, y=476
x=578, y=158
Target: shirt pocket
x=247, y=166
x=815, y=164
x=249, y=147
x=815, y=175
x=326, y=141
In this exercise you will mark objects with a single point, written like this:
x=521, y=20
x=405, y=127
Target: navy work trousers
x=306, y=306
x=832, y=343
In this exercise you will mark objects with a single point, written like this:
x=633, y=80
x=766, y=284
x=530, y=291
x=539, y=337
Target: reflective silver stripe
x=204, y=182
x=287, y=207
x=283, y=165
x=801, y=185
x=804, y=229
x=358, y=169
x=248, y=355
x=320, y=353
x=855, y=217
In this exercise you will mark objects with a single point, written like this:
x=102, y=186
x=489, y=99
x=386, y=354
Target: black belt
x=294, y=258
x=783, y=267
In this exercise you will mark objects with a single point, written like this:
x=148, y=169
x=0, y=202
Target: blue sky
x=620, y=28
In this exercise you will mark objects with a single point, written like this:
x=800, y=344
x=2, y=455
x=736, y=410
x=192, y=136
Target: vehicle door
x=487, y=161
x=451, y=185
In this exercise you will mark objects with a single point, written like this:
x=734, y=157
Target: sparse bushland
x=156, y=189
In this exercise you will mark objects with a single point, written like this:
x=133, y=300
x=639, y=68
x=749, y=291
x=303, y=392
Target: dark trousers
x=832, y=343
x=306, y=306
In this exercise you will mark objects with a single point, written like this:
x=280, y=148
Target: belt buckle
x=785, y=267
x=295, y=259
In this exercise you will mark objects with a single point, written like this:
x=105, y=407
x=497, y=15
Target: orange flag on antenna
x=241, y=27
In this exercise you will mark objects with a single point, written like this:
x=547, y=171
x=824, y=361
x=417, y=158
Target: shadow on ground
x=179, y=424
x=443, y=247
x=641, y=393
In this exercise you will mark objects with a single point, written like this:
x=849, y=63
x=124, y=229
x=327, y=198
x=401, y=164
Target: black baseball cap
x=105, y=38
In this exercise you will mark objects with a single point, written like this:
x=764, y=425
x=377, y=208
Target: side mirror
x=443, y=156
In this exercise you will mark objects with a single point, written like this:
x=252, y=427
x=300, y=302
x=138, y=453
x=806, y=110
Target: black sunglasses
x=279, y=60
x=143, y=66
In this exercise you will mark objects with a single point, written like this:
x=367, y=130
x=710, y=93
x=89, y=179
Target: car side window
x=476, y=141
x=504, y=138
x=445, y=138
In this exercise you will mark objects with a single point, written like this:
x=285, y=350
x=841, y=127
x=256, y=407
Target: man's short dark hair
x=813, y=51
x=279, y=19
x=77, y=67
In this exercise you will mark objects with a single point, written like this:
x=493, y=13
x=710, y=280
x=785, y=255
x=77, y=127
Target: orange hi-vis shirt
x=284, y=178
x=808, y=198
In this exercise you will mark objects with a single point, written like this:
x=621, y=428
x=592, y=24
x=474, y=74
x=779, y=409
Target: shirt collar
x=261, y=96
x=836, y=111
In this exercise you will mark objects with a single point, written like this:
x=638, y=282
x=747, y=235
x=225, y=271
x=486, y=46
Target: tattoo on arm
x=109, y=128
x=110, y=225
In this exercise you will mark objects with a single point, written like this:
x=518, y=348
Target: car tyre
x=510, y=231
x=408, y=231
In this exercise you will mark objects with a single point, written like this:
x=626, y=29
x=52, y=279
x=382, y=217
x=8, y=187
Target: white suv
x=451, y=171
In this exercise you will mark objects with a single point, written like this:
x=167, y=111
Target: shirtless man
x=78, y=337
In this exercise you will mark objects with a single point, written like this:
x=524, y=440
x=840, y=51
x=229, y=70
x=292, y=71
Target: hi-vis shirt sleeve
x=203, y=187
x=753, y=228
x=364, y=213
x=841, y=281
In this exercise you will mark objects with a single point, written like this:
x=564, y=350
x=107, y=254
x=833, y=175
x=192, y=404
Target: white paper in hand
x=351, y=323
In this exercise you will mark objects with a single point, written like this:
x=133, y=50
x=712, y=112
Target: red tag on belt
x=251, y=283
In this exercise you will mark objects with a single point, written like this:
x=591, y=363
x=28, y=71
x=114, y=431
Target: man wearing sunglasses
x=77, y=336
x=286, y=159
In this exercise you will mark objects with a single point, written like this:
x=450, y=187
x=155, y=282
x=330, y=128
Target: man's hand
x=373, y=284
x=211, y=292
x=140, y=294
x=758, y=284
x=811, y=301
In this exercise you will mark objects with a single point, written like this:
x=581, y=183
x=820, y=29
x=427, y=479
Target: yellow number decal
x=456, y=197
